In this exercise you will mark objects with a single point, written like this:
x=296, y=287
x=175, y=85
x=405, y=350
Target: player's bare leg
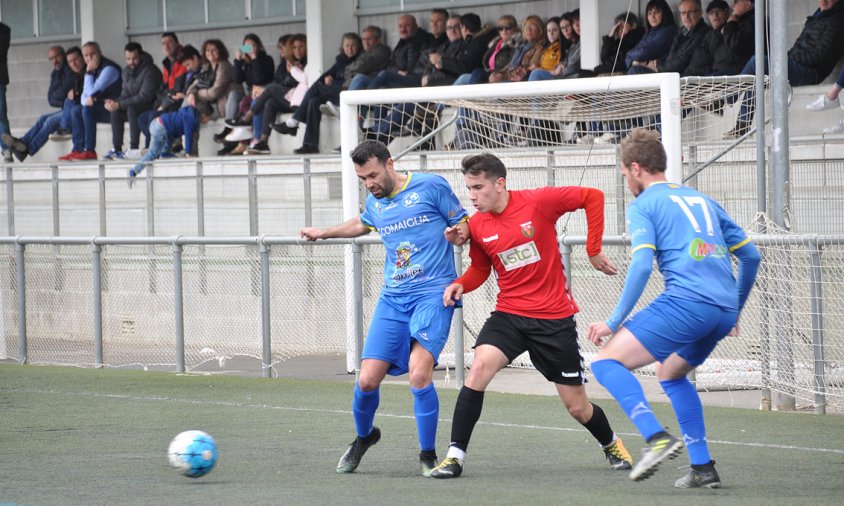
x=364, y=403
x=486, y=364
x=426, y=405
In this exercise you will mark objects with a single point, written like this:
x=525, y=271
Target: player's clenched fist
x=310, y=233
x=452, y=294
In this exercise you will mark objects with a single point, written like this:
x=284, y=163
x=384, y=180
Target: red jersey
x=521, y=245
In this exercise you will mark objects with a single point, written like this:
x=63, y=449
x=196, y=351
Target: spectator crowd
x=164, y=103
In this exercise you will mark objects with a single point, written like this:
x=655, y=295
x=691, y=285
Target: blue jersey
x=411, y=222
x=693, y=238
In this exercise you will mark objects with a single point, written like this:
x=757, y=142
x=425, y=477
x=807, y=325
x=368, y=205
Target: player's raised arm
x=351, y=228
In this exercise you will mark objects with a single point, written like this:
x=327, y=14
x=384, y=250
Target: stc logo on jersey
x=524, y=254
x=699, y=250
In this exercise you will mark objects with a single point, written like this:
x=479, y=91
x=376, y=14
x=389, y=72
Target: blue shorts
x=690, y=329
x=400, y=320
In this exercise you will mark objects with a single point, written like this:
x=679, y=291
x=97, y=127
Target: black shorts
x=552, y=344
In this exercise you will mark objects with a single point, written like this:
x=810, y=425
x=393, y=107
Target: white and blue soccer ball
x=193, y=453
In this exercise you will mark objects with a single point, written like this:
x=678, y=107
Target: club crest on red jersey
x=528, y=230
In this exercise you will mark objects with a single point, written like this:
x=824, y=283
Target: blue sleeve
x=749, y=259
x=106, y=78
x=638, y=274
x=366, y=215
x=643, y=249
x=448, y=204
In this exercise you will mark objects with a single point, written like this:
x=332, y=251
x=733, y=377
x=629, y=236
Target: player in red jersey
x=514, y=233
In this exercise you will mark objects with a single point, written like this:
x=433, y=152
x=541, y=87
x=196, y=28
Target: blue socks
x=426, y=407
x=364, y=405
x=628, y=392
x=686, y=403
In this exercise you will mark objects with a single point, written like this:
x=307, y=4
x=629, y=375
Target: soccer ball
x=193, y=453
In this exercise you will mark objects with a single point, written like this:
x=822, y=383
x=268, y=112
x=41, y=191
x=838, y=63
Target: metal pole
x=551, y=173
x=459, y=337
x=102, y=198
x=761, y=182
x=54, y=177
x=357, y=269
x=21, y=275
x=780, y=197
x=306, y=183
x=96, y=265
x=178, y=304
x=266, y=334
x=150, y=180
x=816, y=304
x=200, y=226
x=253, y=197
x=10, y=202
x=620, y=210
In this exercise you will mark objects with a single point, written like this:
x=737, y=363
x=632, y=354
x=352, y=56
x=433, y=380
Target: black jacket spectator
x=407, y=51
x=369, y=63
x=260, y=71
x=141, y=84
x=611, y=46
x=683, y=47
x=821, y=42
x=442, y=76
x=738, y=45
x=471, y=55
x=61, y=82
x=704, y=56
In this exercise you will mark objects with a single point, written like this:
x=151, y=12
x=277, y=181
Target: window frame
x=247, y=21
x=36, y=37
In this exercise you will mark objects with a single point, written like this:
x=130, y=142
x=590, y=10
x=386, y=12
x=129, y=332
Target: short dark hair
x=204, y=108
x=368, y=150
x=485, y=163
x=471, y=21
x=171, y=35
x=74, y=49
x=133, y=47
x=644, y=147
x=628, y=17
x=444, y=12
x=187, y=53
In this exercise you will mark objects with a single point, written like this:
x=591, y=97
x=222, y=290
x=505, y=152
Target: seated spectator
x=171, y=100
x=141, y=80
x=828, y=100
x=551, y=52
x=399, y=73
x=571, y=60
x=685, y=43
x=526, y=54
x=622, y=37
x=810, y=60
x=169, y=127
x=659, y=35
x=61, y=83
x=102, y=82
x=325, y=89
x=436, y=27
x=375, y=58
x=215, y=80
x=703, y=59
x=501, y=49
x=284, y=94
x=739, y=36
x=252, y=66
x=172, y=71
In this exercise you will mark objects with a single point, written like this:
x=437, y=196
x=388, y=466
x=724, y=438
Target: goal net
x=565, y=132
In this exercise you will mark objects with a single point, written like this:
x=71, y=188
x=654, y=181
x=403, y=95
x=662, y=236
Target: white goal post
x=666, y=85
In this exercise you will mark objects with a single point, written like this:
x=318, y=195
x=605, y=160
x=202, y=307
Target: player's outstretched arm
x=351, y=228
x=458, y=234
x=602, y=263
